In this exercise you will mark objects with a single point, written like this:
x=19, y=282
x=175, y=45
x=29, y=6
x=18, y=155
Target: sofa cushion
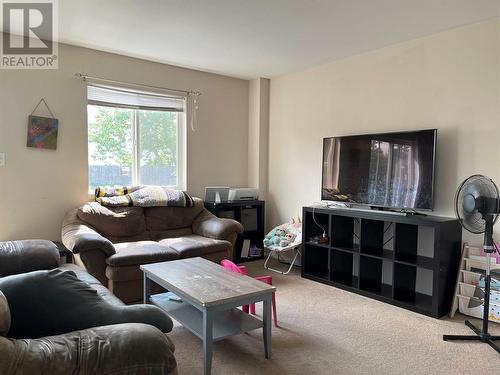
x=194, y=245
x=142, y=252
x=144, y=236
x=173, y=233
x=4, y=315
x=167, y=218
x=115, y=221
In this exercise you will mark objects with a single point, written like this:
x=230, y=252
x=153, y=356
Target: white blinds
x=123, y=98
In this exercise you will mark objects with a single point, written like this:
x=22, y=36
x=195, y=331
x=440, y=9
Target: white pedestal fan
x=477, y=206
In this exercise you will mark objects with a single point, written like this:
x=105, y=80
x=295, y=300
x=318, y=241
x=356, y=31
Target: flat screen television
x=389, y=170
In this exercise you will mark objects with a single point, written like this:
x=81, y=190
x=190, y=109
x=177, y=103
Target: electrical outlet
x=2, y=159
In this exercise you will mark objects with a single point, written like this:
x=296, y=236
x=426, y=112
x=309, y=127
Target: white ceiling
x=257, y=38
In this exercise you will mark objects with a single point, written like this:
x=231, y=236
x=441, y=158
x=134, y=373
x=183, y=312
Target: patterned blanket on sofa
x=142, y=196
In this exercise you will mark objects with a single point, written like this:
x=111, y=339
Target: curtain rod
x=84, y=77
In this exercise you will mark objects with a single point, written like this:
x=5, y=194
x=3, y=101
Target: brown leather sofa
x=112, y=242
x=60, y=320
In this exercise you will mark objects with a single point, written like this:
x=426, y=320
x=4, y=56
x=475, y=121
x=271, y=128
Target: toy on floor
x=289, y=238
x=283, y=238
x=274, y=237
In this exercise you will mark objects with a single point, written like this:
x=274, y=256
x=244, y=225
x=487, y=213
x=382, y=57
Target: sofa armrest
x=26, y=256
x=80, y=237
x=113, y=349
x=209, y=225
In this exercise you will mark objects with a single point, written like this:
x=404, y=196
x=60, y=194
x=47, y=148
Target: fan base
x=480, y=336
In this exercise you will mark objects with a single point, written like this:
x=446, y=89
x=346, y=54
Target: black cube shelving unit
x=342, y=264
x=373, y=277
x=317, y=261
x=253, y=230
x=344, y=227
x=409, y=261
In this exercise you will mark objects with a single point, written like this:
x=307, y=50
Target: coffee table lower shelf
x=226, y=323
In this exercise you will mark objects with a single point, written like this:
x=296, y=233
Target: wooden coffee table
x=210, y=296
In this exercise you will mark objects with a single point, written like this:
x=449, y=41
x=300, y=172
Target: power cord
x=385, y=231
x=319, y=226
x=357, y=221
x=389, y=240
x=355, y=235
x=390, y=225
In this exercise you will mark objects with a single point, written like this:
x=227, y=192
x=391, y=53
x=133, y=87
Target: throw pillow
x=46, y=303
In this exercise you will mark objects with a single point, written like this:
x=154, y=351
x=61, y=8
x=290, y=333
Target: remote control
x=175, y=298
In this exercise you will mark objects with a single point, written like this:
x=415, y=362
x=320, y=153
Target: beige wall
x=449, y=81
x=253, y=132
x=258, y=135
x=38, y=186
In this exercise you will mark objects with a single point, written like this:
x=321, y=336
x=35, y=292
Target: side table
x=64, y=252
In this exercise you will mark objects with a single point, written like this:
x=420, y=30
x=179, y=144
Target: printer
x=243, y=194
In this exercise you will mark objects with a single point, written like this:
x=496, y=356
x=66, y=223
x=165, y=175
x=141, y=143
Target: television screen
x=394, y=170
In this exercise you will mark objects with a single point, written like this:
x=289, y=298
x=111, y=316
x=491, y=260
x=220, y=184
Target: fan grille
x=478, y=186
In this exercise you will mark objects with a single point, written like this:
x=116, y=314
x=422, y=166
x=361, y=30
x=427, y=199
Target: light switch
x=2, y=159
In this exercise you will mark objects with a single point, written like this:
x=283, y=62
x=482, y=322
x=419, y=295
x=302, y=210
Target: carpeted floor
x=325, y=330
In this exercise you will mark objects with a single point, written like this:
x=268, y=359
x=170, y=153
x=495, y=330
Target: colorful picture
x=42, y=132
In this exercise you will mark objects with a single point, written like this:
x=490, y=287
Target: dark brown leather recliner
x=49, y=318
x=112, y=242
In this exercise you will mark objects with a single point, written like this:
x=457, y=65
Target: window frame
x=181, y=141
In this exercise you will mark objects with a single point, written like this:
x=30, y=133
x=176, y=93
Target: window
x=135, y=138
